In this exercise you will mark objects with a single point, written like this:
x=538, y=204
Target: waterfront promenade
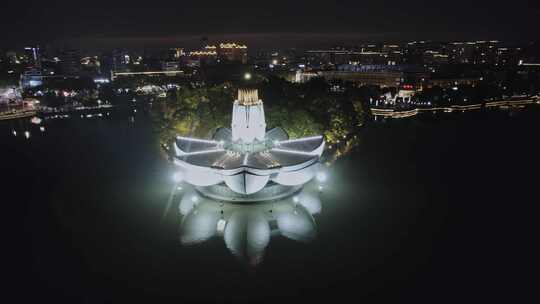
x=29, y=112
x=501, y=104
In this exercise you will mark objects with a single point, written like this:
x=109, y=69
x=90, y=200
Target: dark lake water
x=424, y=210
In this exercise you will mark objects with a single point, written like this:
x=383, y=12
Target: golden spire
x=248, y=97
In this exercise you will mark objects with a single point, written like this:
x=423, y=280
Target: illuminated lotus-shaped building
x=246, y=163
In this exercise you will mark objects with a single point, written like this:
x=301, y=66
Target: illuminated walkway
x=391, y=113
x=17, y=114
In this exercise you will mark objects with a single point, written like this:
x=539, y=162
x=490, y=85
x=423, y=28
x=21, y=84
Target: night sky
x=263, y=23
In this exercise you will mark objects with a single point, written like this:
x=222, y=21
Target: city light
x=523, y=101
x=247, y=76
x=101, y=80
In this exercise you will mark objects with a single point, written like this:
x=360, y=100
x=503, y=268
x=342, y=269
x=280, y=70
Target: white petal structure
x=310, y=200
x=297, y=225
x=246, y=182
x=248, y=228
x=247, y=158
x=199, y=227
x=247, y=234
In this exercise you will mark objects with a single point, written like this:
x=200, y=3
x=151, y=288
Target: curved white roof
x=288, y=162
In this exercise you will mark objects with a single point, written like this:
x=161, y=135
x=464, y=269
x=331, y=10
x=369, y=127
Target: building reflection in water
x=248, y=228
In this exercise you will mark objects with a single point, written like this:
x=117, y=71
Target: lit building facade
x=207, y=55
x=33, y=58
x=31, y=79
x=10, y=94
x=233, y=52
x=379, y=78
x=175, y=53
x=380, y=75
x=120, y=60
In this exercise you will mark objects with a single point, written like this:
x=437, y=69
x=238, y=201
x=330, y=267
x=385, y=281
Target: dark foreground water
x=425, y=210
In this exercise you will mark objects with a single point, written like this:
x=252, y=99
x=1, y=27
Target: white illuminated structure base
x=222, y=192
x=248, y=229
x=247, y=159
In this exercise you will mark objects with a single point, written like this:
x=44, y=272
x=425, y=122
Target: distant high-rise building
x=12, y=57
x=32, y=57
x=106, y=63
x=120, y=60
x=175, y=53
x=461, y=52
x=70, y=62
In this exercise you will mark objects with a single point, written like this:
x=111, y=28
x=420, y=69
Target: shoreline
x=502, y=104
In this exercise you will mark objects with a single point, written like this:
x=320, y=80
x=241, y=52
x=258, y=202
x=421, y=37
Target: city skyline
x=279, y=24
